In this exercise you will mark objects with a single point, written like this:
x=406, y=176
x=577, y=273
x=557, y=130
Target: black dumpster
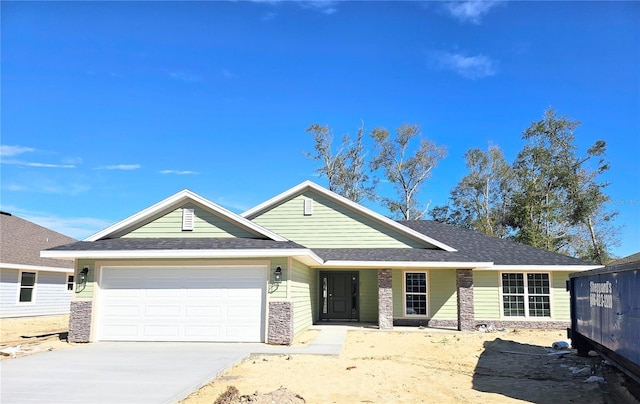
x=605, y=314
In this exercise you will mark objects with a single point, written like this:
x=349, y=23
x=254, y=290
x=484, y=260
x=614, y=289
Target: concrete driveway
x=135, y=372
x=110, y=372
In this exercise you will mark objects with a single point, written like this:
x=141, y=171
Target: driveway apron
x=110, y=372
x=135, y=372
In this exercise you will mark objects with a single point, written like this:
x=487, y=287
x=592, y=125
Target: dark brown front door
x=339, y=295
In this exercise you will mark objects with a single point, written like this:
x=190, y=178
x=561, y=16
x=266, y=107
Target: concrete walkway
x=135, y=372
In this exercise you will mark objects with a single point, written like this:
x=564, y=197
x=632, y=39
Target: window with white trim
x=70, y=283
x=526, y=295
x=415, y=293
x=27, y=286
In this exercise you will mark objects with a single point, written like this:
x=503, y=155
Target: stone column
x=385, y=300
x=80, y=321
x=280, y=327
x=464, y=284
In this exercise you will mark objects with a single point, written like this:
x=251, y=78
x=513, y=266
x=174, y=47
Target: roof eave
x=300, y=253
x=403, y=264
x=542, y=267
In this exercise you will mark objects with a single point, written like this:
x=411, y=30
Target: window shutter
x=187, y=219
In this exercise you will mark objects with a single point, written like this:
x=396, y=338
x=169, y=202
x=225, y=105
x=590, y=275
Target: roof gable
x=335, y=222
x=164, y=220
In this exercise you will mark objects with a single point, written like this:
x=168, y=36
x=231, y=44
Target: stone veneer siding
x=80, y=321
x=385, y=300
x=280, y=327
x=464, y=284
x=533, y=324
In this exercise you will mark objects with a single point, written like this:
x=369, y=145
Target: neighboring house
x=31, y=285
x=626, y=260
x=186, y=269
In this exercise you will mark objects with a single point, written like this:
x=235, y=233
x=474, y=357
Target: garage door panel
x=182, y=304
x=121, y=311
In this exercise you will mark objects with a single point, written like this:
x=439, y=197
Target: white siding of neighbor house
x=50, y=294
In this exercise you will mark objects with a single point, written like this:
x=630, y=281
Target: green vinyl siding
x=206, y=224
x=441, y=293
x=443, y=300
x=301, y=296
x=85, y=291
x=397, y=289
x=560, y=298
x=486, y=295
x=368, y=296
x=278, y=290
x=331, y=225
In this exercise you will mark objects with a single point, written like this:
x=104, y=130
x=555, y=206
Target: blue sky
x=110, y=107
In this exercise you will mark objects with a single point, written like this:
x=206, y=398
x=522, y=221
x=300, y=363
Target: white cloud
x=39, y=165
x=470, y=11
x=9, y=151
x=327, y=7
x=76, y=227
x=324, y=6
x=471, y=67
x=185, y=77
x=125, y=167
x=178, y=172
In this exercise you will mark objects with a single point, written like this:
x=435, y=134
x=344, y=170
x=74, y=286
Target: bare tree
x=406, y=170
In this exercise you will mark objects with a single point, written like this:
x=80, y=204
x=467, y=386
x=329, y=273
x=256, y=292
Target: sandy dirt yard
x=424, y=366
x=29, y=335
x=409, y=366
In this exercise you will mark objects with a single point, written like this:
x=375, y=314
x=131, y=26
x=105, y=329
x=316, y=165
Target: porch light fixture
x=278, y=275
x=83, y=274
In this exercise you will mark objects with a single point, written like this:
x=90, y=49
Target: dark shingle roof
x=21, y=242
x=480, y=247
x=132, y=244
x=391, y=254
x=626, y=260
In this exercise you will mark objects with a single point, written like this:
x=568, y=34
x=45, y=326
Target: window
x=526, y=295
x=415, y=288
x=27, y=284
x=70, y=283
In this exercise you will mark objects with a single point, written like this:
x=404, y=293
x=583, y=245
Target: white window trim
x=73, y=282
x=34, y=288
x=404, y=295
x=526, y=295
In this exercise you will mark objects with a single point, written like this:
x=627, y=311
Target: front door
x=339, y=295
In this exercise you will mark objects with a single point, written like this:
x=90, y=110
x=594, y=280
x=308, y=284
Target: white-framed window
x=26, y=290
x=70, y=283
x=415, y=294
x=526, y=294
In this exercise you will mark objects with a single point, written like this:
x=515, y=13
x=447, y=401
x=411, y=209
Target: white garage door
x=223, y=304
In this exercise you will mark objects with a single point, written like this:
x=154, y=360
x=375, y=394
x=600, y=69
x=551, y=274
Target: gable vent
x=187, y=219
x=308, y=207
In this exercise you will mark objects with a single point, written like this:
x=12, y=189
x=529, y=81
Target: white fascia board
x=524, y=268
x=348, y=203
x=179, y=198
x=23, y=267
x=147, y=254
x=404, y=264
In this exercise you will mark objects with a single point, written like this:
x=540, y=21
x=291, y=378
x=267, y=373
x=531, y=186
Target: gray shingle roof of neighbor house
x=626, y=260
x=480, y=247
x=21, y=242
x=135, y=244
